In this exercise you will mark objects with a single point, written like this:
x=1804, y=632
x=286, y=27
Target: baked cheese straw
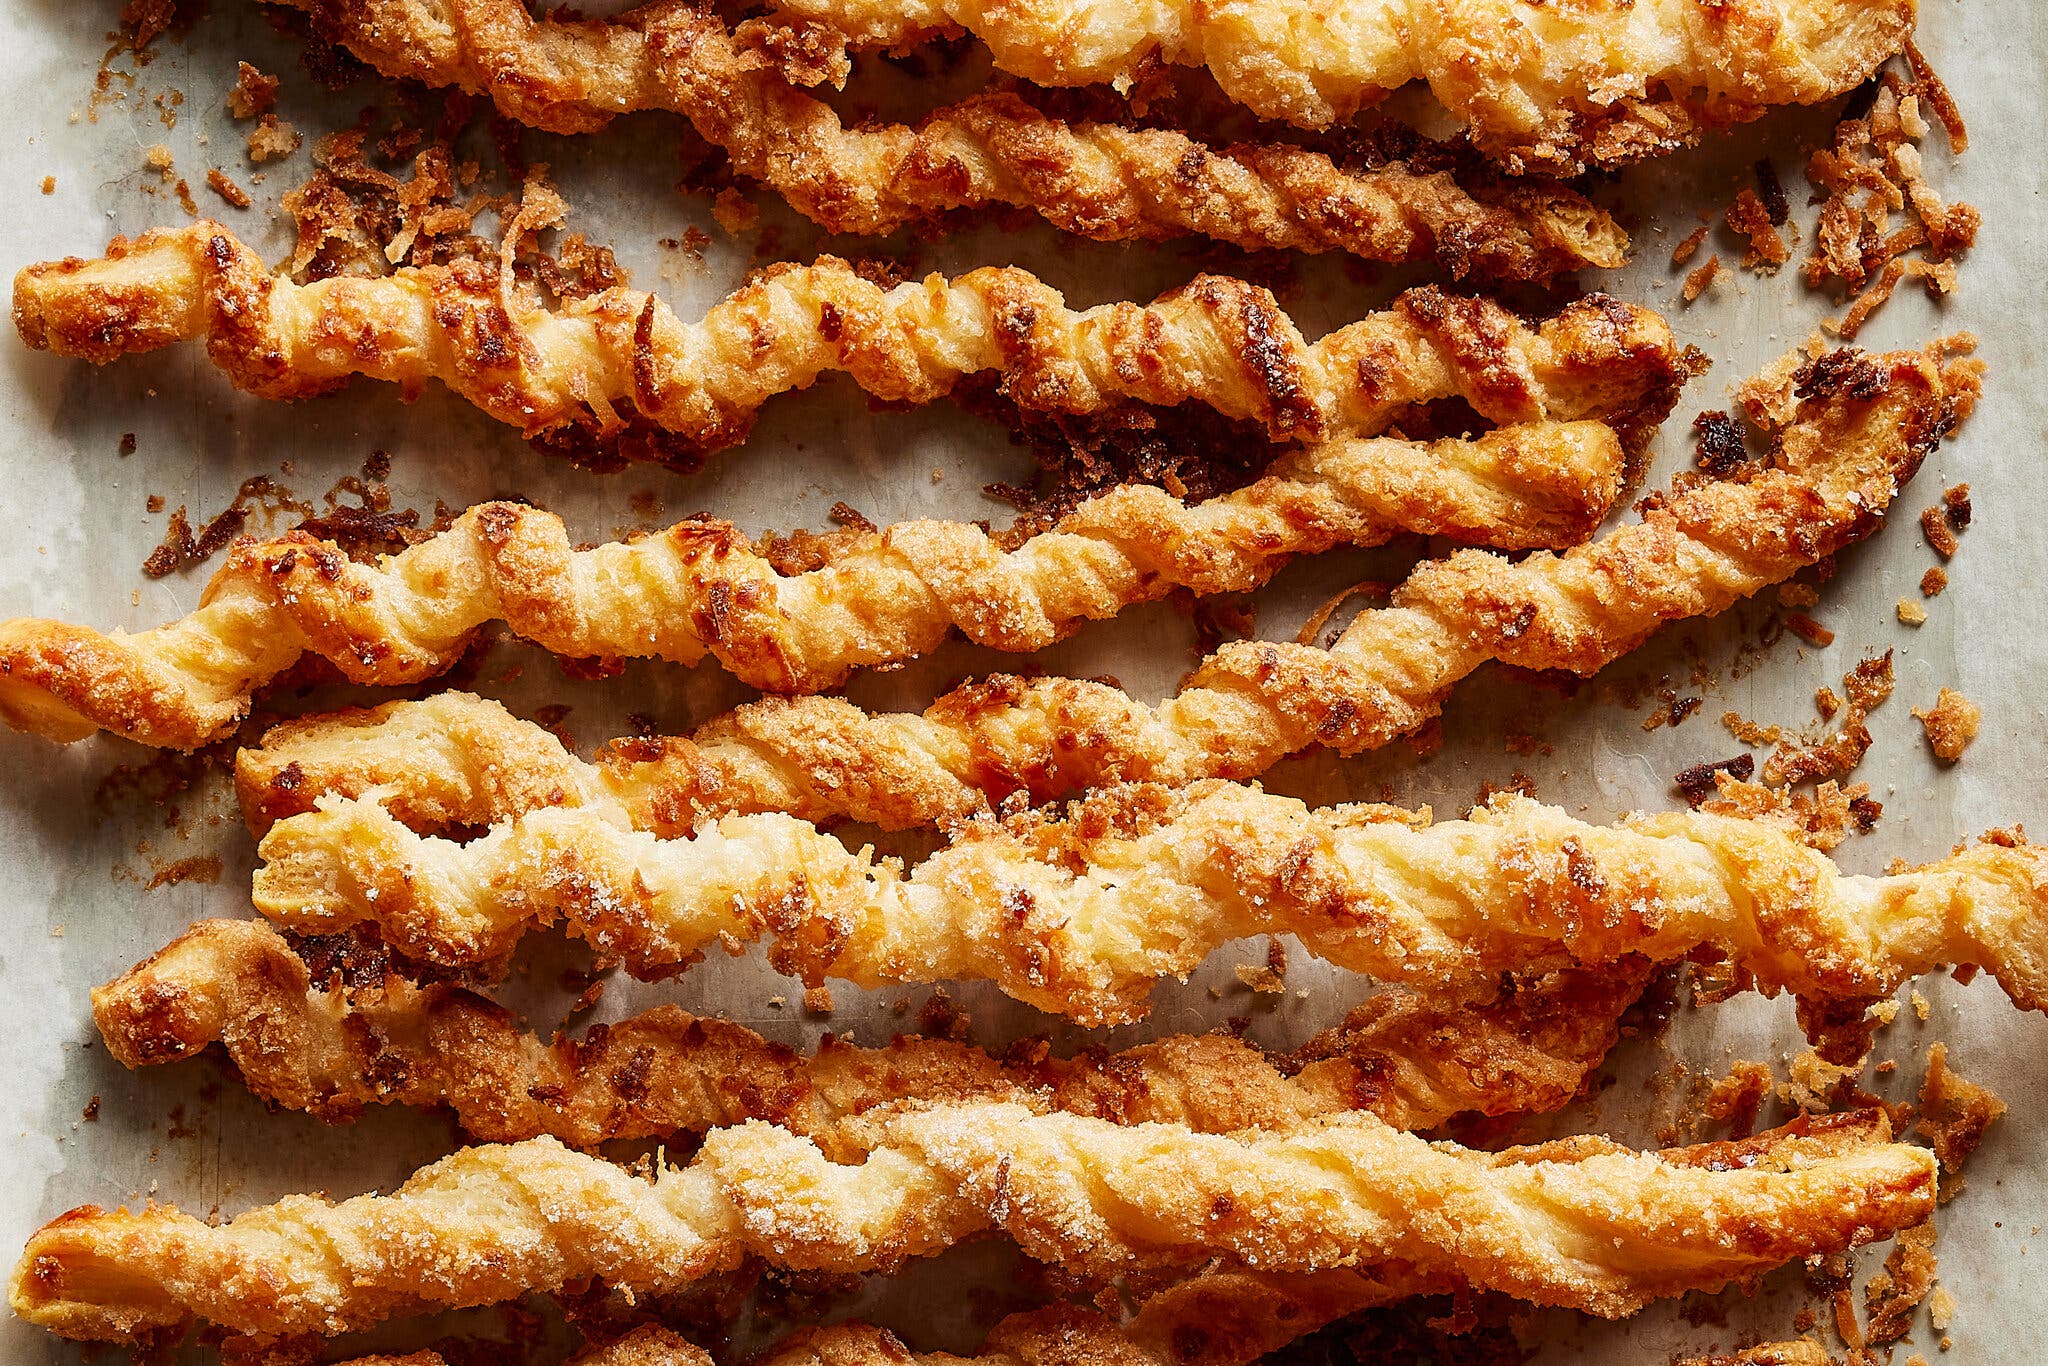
x=1860, y=430
x=702, y=589
x=1217, y=341
x=1081, y=914
x=1584, y=1224
x=1542, y=87
x=1099, y=180
x=1574, y=392
x=334, y=1050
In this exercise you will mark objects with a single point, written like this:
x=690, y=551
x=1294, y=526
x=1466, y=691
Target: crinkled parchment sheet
x=77, y=530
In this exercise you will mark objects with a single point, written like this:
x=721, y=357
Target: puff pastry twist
x=336, y=1049
x=1860, y=430
x=1542, y=86
x=701, y=588
x=1575, y=393
x=1100, y=180
x=1584, y=1224
x=1217, y=341
x=1081, y=914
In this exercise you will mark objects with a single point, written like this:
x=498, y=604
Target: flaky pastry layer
x=1544, y=87
x=336, y=1049
x=1217, y=341
x=1099, y=180
x=1082, y=914
x=1583, y=1224
x=1859, y=430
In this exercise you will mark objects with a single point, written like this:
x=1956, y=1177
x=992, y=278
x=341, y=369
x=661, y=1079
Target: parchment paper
x=77, y=530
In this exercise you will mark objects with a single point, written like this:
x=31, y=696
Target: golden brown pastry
x=336, y=1047
x=1859, y=429
x=701, y=588
x=595, y=361
x=1100, y=180
x=1574, y=395
x=1583, y=1223
x=1081, y=913
x=1545, y=87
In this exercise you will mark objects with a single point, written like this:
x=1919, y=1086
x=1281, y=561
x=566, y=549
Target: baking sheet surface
x=78, y=529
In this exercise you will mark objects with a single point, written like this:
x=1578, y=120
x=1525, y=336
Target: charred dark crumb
x=1722, y=449
x=844, y=515
x=127, y=448
x=1771, y=190
x=91, y=1113
x=1697, y=782
x=1224, y=617
x=1185, y=450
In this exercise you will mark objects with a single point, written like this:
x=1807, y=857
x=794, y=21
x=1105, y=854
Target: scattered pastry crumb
x=1951, y=724
x=218, y=181
x=1260, y=978
x=1698, y=282
x=1809, y=630
x=1689, y=248
x=272, y=140
x=1748, y=217
x=1895, y=1294
x=1912, y=613
x=1920, y=1006
x=1954, y=1116
x=254, y=93
x=818, y=1000
x=1933, y=582
x=1796, y=594
x=1885, y=1011
x=49, y=184
x=91, y=1113
x=735, y=212
x=1736, y=1099
x=1941, y=1309
x=1943, y=523
x=1269, y=977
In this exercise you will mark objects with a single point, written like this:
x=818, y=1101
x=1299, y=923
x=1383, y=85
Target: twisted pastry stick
x=1099, y=180
x=1542, y=86
x=1861, y=430
x=1081, y=915
x=1583, y=1224
x=335, y=1051
x=701, y=588
x=1547, y=477
x=1217, y=341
